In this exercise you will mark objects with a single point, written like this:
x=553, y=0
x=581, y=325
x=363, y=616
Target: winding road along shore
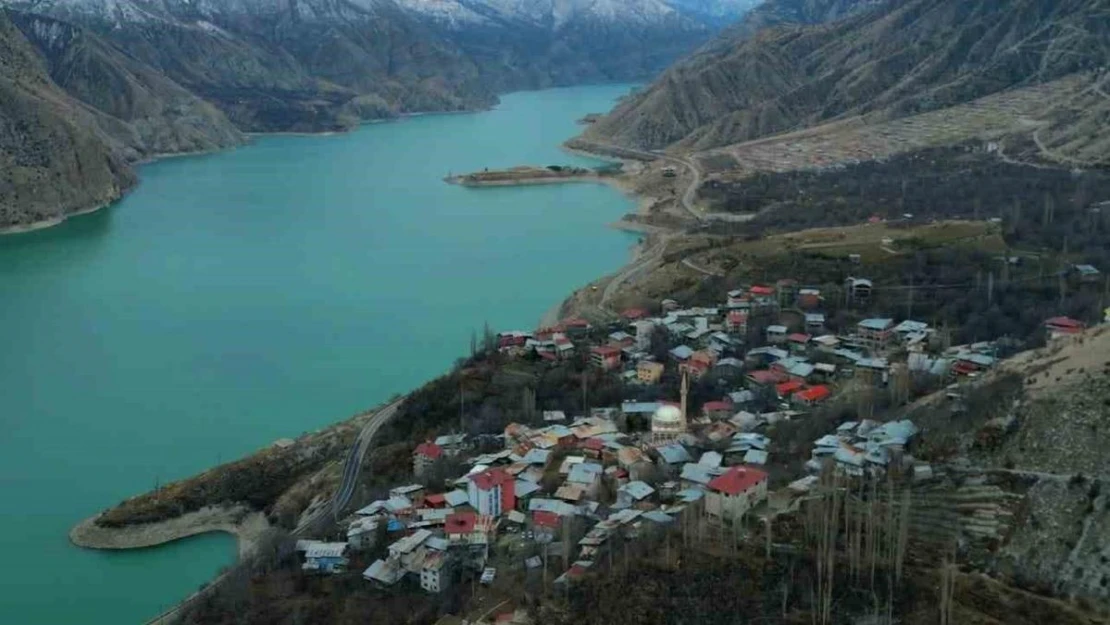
x=239, y=520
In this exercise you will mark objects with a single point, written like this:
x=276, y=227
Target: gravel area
x=240, y=521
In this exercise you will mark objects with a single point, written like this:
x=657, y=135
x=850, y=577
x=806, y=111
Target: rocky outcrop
x=889, y=60
x=54, y=158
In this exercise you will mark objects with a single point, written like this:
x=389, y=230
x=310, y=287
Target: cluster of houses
x=794, y=360
x=583, y=472
x=865, y=448
x=588, y=473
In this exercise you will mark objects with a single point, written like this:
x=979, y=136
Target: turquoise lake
x=237, y=298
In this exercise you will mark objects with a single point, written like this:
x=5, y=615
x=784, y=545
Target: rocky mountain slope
x=54, y=158
x=136, y=78
x=888, y=60
x=144, y=111
x=325, y=64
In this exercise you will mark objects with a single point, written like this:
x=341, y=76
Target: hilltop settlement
x=558, y=497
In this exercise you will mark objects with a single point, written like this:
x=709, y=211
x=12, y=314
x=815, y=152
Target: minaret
x=685, y=387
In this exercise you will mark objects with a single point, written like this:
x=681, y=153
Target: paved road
x=691, y=191
x=649, y=259
x=358, y=452
x=339, y=501
x=351, y=466
x=653, y=255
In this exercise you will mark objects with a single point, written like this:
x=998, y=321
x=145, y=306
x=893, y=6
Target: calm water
x=238, y=298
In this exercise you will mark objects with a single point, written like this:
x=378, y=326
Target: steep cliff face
x=891, y=60
x=142, y=109
x=54, y=159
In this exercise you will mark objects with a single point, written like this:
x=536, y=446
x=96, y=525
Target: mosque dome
x=668, y=421
x=667, y=414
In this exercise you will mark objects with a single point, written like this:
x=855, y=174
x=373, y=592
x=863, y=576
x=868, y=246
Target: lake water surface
x=241, y=297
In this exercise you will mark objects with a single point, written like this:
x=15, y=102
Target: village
x=574, y=489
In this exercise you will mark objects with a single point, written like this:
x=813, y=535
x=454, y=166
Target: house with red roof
x=1063, y=326
x=812, y=395
x=700, y=362
x=765, y=377
x=491, y=492
x=737, y=322
x=507, y=341
x=576, y=326
x=786, y=389
x=425, y=454
x=460, y=525
x=592, y=447
x=634, y=314
x=717, y=409
x=607, y=357
x=732, y=494
x=546, y=523
x=469, y=528
x=763, y=297
x=798, y=341
x=761, y=291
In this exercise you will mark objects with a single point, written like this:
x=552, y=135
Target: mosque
x=669, y=422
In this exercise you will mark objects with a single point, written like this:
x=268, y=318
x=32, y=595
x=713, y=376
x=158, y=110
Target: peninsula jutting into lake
x=822, y=338
x=204, y=327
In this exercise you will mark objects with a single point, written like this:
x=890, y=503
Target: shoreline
x=43, y=224
x=526, y=181
x=245, y=525
x=238, y=520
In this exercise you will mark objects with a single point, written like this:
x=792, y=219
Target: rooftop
x=815, y=393
x=876, y=324
x=585, y=473
x=410, y=542
x=460, y=523
x=737, y=480
x=429, y=450
x=490, y=478
x=674, y=453
x=682, y=352
x=637, y=490
x=326, y=550
x=455, y=498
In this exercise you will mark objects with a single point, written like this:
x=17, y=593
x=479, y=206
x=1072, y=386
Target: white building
x=435, y=576
x=491, y=492
x=731, y=495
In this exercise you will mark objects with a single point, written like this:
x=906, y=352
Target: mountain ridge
x=54, y=158
x=888, y=60
x=132, y=79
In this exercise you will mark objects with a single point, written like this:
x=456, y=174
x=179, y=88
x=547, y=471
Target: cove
x=241, y=297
